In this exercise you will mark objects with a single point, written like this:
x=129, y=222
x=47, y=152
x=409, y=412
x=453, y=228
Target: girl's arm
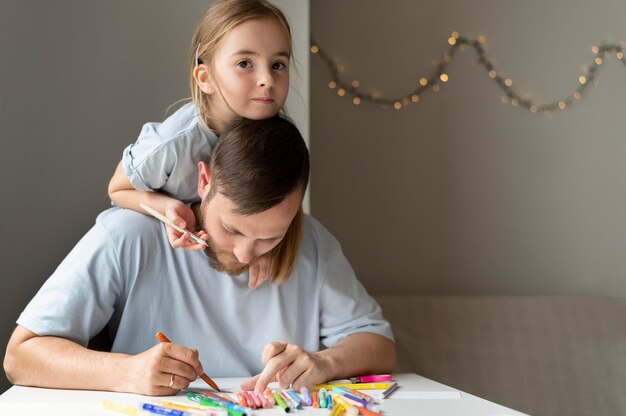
x=123, y=194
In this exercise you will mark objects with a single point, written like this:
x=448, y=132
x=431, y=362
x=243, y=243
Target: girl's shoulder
x=183, y=123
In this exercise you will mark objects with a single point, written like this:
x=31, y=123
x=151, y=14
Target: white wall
x=460, y=193
x=77, y=81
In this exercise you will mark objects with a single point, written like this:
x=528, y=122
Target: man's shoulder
x=317, y=238
x=126, y=222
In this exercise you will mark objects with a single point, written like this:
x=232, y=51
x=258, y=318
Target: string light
x=440, y=77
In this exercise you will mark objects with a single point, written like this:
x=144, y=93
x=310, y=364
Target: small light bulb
x=455, y=35
x=508, y=82
x=397, y=105
x=595, y=49
x=340, y=68
x=443, y=77
x=341, y=92
x=562, y=105
x=355, y=84
x=492, y=74
x=406, y=101
x=533, y=108
x=582, y=79
x=619, y=55
x=332, y=85
x=598, y=61
x=515, y=101
x=315, y=49
x=452, y=40
x=577, y=95
x=423, y=82
x=356, y=101
x=481, y=39
x=436, y=88
x=415, y=98
x=504, y=99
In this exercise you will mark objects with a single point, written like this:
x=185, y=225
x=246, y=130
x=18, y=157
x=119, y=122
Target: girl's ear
x=203, y=78
x=204, y=179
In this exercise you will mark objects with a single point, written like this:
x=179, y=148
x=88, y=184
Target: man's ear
x=203, y=78
x=204, y=179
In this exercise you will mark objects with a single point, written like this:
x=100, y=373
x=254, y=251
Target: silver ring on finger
x=171, y=381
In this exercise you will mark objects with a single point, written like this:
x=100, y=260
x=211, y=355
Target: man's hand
x=259, y=272
x=183, y=216
x=289, y=365
x=164, y=370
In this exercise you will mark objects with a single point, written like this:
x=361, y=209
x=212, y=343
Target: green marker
x=281, y=402
x=202, y=400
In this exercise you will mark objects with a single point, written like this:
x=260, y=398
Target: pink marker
x=371, y=379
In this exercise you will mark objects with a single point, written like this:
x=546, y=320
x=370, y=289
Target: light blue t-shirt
x=125, y=272
x=166, y=155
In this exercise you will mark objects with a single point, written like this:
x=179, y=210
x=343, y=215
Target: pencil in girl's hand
x=162, y=338
x=156, y=214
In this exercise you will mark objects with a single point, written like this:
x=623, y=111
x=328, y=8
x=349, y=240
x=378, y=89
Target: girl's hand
x=259, y=271
x=183, y=216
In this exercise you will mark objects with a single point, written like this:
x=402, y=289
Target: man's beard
x=233, y=268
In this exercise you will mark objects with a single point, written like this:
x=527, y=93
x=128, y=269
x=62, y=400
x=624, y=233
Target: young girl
x=239, y=67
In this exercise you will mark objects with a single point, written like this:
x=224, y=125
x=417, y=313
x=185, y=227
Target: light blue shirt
x=125, y=271
x=166, y=155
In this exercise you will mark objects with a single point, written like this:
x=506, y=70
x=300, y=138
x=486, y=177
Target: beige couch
x=542, y=355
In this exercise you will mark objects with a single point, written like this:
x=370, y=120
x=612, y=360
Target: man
x=124, y=273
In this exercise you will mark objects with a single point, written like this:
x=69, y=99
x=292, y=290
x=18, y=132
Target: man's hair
x=256, y=164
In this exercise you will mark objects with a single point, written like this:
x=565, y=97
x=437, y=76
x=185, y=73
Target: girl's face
x=250, y=72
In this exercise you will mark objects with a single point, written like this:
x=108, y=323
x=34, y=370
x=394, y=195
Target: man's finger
x=271, y=350
x=250, y=383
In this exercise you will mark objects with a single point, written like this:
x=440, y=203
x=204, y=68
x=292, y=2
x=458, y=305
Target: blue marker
x=294, y=396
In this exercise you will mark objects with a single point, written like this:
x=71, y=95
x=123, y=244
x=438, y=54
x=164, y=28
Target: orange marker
x=316, y=404
x=161, y=337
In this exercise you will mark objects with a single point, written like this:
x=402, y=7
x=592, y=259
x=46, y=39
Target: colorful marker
x=390, y=390
x=323, y=396
x=279, y=401
x=356, y=386
x=294, y=396
x=233, y=409
x=372, y=379
x=269, y=396
x=306, y=397
x=316, y=403
x=357, y=393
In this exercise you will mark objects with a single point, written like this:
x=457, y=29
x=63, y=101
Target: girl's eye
x=231, y=232
x=244, y=64
x=278, y=65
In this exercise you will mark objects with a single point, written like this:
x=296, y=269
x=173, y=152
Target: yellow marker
x=355, y=386
x=127, y=409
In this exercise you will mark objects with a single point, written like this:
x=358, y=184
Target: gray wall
x=461, y=194
x=77, y=81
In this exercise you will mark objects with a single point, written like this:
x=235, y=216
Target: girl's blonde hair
x=216, y=23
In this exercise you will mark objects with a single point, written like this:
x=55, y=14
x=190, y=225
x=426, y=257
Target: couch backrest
x=542, y=355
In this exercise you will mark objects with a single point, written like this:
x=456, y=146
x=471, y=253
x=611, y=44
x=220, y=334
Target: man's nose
x=244, y=251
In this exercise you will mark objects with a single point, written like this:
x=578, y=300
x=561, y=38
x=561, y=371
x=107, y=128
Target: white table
x=37, y=401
